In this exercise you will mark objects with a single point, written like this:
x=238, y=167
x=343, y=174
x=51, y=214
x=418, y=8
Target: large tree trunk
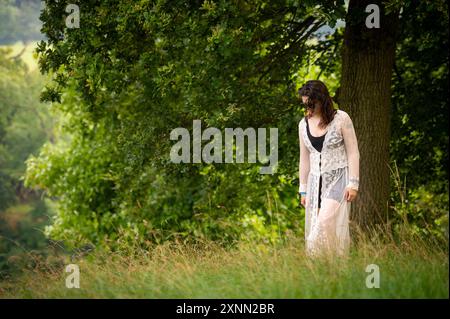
x=365, y=93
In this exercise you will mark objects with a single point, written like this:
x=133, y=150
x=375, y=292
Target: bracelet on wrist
x=353, y=186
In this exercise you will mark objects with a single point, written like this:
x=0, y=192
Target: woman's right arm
x=303, y=163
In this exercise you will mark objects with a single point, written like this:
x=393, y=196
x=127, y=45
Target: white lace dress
x=327, y=229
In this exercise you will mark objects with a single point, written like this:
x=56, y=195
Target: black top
x=317, y=142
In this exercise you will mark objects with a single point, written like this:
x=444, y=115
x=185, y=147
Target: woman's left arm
x=351, y=147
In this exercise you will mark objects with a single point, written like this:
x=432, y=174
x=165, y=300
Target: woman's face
x=305, y=99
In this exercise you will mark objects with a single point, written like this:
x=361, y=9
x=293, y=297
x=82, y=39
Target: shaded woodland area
x=84, y=128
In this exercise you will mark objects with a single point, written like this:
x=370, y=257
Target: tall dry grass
x=410, y=267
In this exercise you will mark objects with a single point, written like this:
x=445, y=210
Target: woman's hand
x=303, y=200
x=350, y=194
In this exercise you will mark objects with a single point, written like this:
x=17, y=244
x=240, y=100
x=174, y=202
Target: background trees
x=133, y=72
x=25, y=125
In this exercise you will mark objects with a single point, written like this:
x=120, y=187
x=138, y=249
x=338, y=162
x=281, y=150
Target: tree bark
x=365, y=93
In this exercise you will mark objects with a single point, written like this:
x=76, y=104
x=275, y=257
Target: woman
x=328, y=170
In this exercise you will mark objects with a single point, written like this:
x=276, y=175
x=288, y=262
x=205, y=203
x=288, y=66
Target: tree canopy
x=133, y=72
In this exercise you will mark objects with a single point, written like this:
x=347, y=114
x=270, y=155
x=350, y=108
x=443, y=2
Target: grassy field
x=408, y=269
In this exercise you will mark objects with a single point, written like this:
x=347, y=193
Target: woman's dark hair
x=317, y=92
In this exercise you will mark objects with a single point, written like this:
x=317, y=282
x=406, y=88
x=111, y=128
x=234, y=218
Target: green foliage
x=21, y=236
x=7, y=195
x=419, y=143
x=424, y=210
x=420, y=95
x=132, y=73
x=24, y=126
